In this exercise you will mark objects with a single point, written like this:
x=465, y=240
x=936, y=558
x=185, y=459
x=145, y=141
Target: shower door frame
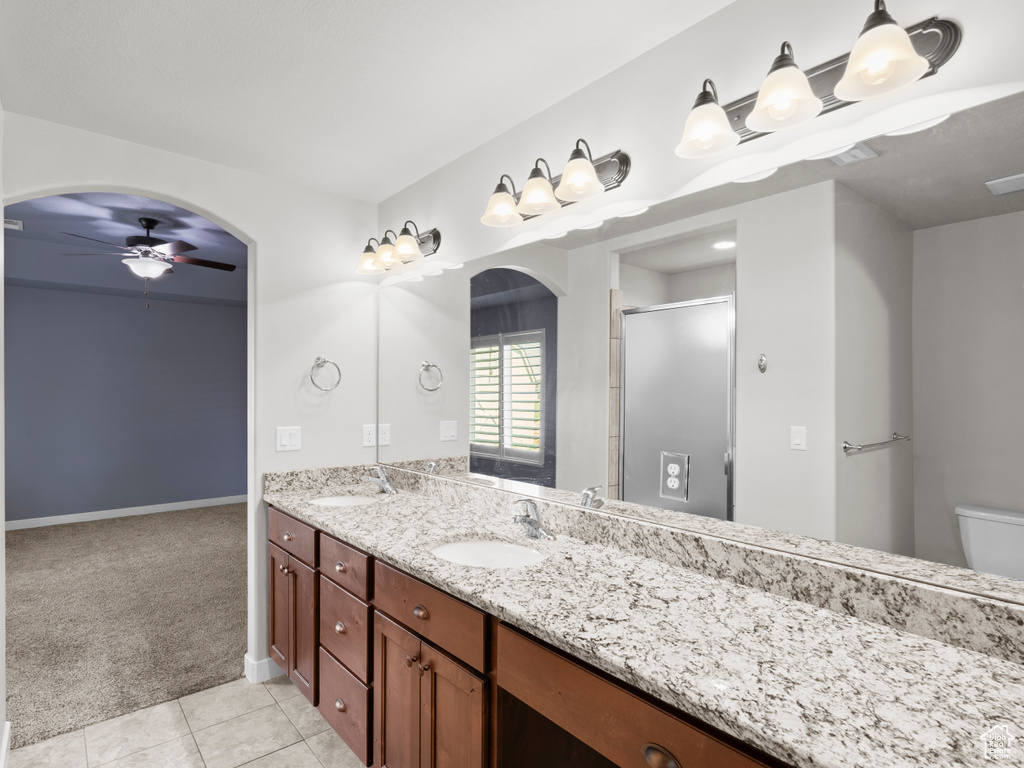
x=729, y=460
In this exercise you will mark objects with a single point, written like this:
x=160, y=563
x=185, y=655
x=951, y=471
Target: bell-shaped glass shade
x=707, y=133
x=501, y=209
x=385, y=257
x=366, y=263
x=579, y=180
x=407, y=247
x=785, y=100
x=882, y=61
x=538, y=197
x=147, y=267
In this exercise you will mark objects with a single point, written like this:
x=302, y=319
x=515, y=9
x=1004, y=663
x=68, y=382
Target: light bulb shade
x=579, y=179
x=385, y=257
x=707, y=131
x=366, y=262
x=882, y=61
x=785, y=99
x=407, y=247
x=538, y=197
x=501, y=209
x=143, y=266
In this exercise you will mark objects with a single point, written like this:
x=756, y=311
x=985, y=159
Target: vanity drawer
x=613, y=721
x=345, y=705
x=448, y=623
x=294, y=537
x=345, y=566
x=345, y=627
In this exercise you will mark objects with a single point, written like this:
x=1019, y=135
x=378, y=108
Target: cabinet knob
x=659, y=757
x=423, y=669
x=340, y=567
x=340, y=705
x=420, y=613
x=282, y=568
x=410, y=660
x=285, y=570
x=339, y=628
x=287, y=537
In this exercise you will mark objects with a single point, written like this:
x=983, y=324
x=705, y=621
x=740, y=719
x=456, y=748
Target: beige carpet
x=107, y=617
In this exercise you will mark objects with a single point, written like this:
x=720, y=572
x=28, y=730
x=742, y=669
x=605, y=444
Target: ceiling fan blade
x=94, y=253
x=174, y=248
x=203, y=263
x=114, y=245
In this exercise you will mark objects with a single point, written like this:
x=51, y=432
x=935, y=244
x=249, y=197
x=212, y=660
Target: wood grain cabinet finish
x=428, y=709
x=293, y=536
x=345, y=705
x=345, y=566
x=445, y=621
x=613, y=721
x=345, y=628
x=293, y=619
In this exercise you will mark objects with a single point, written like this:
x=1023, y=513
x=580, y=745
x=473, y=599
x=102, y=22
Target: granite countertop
x=805, y=684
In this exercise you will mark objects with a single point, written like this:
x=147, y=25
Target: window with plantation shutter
x=507, y=397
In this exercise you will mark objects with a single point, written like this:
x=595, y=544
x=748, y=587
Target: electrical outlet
x=798, y=438
x=289, y=438
x=383, y=434
x=675, y=476
x=449, y=431
x=369, y=435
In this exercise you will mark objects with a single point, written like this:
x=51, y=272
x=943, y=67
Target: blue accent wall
x=110, y=405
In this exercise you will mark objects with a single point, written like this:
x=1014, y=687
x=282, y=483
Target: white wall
x=968, y=373
x=304, y=299
x=704, y=283
x=875, y=494
x=643, y=287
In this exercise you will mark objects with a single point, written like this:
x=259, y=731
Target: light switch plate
x=798, y=438
x=289, y=438
x=383, y=434
x=449, y=431
x=369, y=435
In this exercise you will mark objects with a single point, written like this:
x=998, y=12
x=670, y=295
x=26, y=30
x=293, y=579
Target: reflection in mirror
x=885, y=295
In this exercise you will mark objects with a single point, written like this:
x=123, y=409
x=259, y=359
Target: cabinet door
x=303, y=639
x=280, y=590
x=452, y=724
x=396, y=684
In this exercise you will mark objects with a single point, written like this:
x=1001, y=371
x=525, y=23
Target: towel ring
x=319, y=363
x=426, y=366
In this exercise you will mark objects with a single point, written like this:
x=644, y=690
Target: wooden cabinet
x=293, y=619
x=429, y=709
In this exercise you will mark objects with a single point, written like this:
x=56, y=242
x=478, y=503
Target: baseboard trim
x=5, y=748
x=262, y=670
x=106, y=514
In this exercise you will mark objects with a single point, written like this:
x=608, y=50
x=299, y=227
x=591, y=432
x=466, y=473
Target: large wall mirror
x=712, y=355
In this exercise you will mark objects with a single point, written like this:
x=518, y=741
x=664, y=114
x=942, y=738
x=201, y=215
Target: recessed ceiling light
x=755, y=176
x=831, y=152
x=1006, y=185
x=637, y=212
x=594, y=225
x=14, y=224
x=724, y=245
x=919, y=126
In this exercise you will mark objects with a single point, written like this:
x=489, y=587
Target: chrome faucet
x=590, y=499
x=531, y=520
x=382, y=481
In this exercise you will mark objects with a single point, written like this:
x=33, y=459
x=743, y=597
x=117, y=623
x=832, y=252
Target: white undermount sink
x=488, y=554
x=343, y=501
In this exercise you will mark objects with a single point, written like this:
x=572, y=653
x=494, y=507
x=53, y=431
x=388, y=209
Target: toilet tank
x=993, y=539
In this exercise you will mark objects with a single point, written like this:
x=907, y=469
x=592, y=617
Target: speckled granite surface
x=809, y=685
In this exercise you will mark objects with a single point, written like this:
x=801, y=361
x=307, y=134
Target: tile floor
x=263, y=725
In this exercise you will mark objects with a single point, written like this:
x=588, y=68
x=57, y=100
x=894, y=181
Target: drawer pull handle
x=410, y=660
x=340, y=705
x=659, y=757
x=339, y=628
x=340, y=567
x=287, y=537
x=420, y=613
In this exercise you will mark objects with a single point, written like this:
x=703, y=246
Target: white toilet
x=993, y=539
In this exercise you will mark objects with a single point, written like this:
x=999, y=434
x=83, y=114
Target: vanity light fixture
x=707, y=131
x=538, y=195
x=785, y=99
x=406, y=249
x=882, y=61
x=385, y=258
x=579, y=179
x=367, y=265
x=501, y=208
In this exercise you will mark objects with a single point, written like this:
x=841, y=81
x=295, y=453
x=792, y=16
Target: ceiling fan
x=150, y=256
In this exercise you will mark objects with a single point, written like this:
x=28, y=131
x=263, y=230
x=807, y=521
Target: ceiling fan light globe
x=146, y=267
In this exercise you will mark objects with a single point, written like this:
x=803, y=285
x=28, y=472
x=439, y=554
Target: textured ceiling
x=361, y=97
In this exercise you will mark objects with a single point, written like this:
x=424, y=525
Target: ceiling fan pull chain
x=146, y=292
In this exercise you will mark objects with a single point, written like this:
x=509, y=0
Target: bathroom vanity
x=596, y=655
